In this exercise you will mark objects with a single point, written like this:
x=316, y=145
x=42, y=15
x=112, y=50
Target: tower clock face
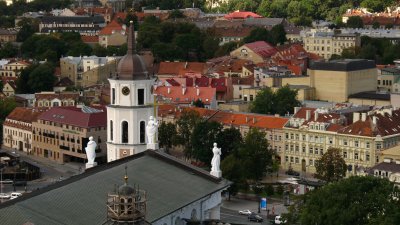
x=125, y=91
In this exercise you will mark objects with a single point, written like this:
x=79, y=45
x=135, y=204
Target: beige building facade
x=61, y=134
x=13, y=68
x=326, y=42
x=336, y=80
x=311, y=132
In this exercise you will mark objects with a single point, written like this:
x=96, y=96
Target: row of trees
x=244, y=160
x=382, y=50
x=302, y=12
x=7, y=105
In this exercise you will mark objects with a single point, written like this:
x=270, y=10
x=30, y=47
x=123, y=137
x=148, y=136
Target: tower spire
x=126, y=175
x=131, y=39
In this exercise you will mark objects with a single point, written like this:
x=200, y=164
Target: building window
x=378, y=146
x=113, y=96
x=251, y=97
x=344, y=142
x=140, y=96
x=316, y=151
x=124, y=132
x=304, y=149
x=367, y=145
x=367, y=157
x=297, y=160
x=356, y=156
x=142, y=132
x=356, y=143
x=311, y=150
x=345, y=155
x=111, y=130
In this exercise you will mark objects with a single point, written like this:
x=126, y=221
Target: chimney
x=356, y=117
x=374, y=120
x=247, y=119
x=363, y=116
x=183, y=90
x=308, y=114
x=254, y=120
x=186, y=64
x=198, y=91
x=169, y=90
x=296, y=109
x=315, y=115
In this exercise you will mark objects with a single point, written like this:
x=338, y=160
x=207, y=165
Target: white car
x=245, y=212
x=15, y=195
x=278, y=220
x=4, y=196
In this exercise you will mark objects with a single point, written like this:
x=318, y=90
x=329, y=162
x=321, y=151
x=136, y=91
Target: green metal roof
x=169, y=184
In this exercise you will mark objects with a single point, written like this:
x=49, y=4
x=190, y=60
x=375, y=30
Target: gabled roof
x=90, y=39
x=75, y=116
x=240, y=32
x=177, y=95
x=241, y=15
x=27, y=115
x=53, y=95
x=176, y=68
x=262, y=48
x=170, y=185
x=112, y=27
x=64, y=82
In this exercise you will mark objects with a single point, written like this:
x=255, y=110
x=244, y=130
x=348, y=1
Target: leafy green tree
x=355, y=22
x=198, y=103
x=331, y=166
x=27, y=30
x=203, y=137
x=167, y=135
x=358, y=200
x=79, y=49
x=375, y=25
x=22, y=81
x=258, y=34
x=255, y=155
x=210, y=46
x=376, y=5
x=231, y=170
x=99, y=50
x=176, y=14
x=1, y=85
x=8, y=50
x=264, y=102
x=42, y=78
x=7, y=105
x=229, y=140
x=278, y=34
x=131, y=17
x=226, y=48
x=185, y=125
x=285, y=100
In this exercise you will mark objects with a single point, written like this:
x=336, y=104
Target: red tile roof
x=90, y=39
x=112, y=27
x=262, y=48
x=75, y=116
x=177, y=68
x=301, y=114
x=172, y=82
x=227, y=118
x=177, y=95
x=241, y=15
x=53, y=95
x=243, y=80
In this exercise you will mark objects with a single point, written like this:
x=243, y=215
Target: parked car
x=292, y=173
x=6, y=181
x=278, y=220
x=255, y=218
x=4, y=196
x=245, y=212
x=15, y=195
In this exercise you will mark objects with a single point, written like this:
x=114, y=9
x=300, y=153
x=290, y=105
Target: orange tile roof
x=121, y=15
x=50, y=96
x=26, y=115
x=90, y=39
x=241, y=15
x=227, y=118
x=176, y=68
x=112, y=27
x=177, y=95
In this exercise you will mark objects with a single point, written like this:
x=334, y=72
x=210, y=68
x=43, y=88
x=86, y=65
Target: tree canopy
x=167, y=135
x=185, y=125
x=331, y=166
x=280, y=102
x=355, y=200
x=42, y=78
x=204, y=135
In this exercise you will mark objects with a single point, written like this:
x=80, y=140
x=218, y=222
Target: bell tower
x=131, y=104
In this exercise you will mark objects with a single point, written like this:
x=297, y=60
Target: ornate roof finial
x=131, y=39
x=126, y=175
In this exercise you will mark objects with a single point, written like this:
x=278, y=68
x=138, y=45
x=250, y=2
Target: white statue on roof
x=151, y=131
x=91, y=153
x=216, y=161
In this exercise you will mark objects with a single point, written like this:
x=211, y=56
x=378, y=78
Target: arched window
x=142, y=132
x=111, y=130
x=124, y=132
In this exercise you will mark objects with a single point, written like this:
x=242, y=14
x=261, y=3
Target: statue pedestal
x=153, y=146
x=216, y=173
x=90, y=165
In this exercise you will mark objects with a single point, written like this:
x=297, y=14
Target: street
x=232, y=216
